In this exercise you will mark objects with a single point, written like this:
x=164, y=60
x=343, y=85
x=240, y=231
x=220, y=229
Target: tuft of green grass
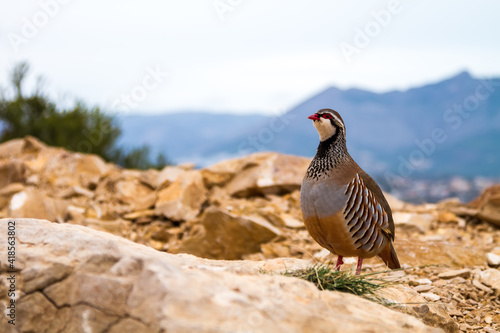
x=325, y=278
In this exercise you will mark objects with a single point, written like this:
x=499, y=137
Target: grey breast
x=321, y=197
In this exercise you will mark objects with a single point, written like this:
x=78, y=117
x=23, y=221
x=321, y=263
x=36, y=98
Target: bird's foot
x=358, y=268
x=339, y=263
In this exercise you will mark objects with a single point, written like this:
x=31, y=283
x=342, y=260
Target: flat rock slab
x=74, y=278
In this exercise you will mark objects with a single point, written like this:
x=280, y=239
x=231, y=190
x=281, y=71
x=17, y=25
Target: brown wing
x=367, y=219
x=379, y=195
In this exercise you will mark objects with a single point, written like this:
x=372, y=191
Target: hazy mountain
x=186, y=136
x=440, y=129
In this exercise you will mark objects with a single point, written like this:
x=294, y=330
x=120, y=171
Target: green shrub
x=80, y=128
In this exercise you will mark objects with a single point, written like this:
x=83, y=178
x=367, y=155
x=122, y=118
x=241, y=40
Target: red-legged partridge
x=344, y=209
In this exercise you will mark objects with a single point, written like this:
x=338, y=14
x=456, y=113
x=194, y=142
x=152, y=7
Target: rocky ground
x=245, y=209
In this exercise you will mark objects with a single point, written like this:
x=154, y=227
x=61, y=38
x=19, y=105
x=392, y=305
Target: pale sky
x=242, y=56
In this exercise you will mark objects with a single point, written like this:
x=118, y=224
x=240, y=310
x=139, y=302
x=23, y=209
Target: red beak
x=313, y=117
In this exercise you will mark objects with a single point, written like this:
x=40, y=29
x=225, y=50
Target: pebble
x=464, y=327
x=455, y=312
x=493, y=259
x=431, y=297
x=464, y=273
x=419, y=282
x=481, y=286
x=458, y=280
x=396, y=274
x=423, y=288
x=447, y=217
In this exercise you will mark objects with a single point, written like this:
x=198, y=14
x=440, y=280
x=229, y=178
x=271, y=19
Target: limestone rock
x=263, y=173
x=82, y=317
x=119, y=286
x=488, y=205
x=222, y=235
x=463, y=273
x=168, y=175
x=127, y=187
x=37, y=313
x=413, y=222
x=6, y=193
x=129, y=325
x=416, y=252
x=491, y=278
x=12, y=148
x=60, y=168
x=11, y=171
x=409, y=301
x=35, y=204
x=430, y=296
x=182, y=200
x=493, y=257
x=395, y=203
x=423, y=288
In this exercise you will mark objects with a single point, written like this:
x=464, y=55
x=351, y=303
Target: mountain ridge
x=382, y=128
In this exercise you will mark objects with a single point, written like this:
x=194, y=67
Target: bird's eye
x=327, y=116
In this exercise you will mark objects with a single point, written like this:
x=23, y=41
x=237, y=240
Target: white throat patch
x=325, y=129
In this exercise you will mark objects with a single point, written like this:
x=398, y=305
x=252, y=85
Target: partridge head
x=344, y=209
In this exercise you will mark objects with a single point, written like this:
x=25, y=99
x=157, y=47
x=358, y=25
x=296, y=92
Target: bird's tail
x=389, y=256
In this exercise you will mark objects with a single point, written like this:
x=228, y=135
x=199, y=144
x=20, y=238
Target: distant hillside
x=386, y=132
x=187, y=137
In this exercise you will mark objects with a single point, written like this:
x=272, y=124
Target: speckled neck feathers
x=330, y=154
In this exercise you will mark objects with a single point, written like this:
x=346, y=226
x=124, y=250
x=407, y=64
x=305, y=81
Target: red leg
x=358, y=268
x=339, y=263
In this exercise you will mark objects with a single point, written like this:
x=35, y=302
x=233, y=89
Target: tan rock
x=419, y=282
x=481, y=286
x=447, y=217
x=149, y=177
x=491, y=278
x=76, y=214
x=430, y=296
x=39, y=275
x=292, y=222
x=394, y=202
x=11, y=148
x=81, y=318
x=182, y=200
x=213, y=178
x=129, y=325
x=37, y=313
x=415, y=252
x=127, y=187
x=222, y=235
x=140, y=213
x=168, y=175
x=407, y=300
x=488, y=205
x=413, y=221
x=11, y=189
x=423, y=288
x=7, y=191
x=263, y=173
x=117, y=227
x=64, y=169
x=493, y=259
x=33, y=203
x=11, y=171
x=135, y=193
x=463, y=273
x=97, y=290
x=114, y=282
